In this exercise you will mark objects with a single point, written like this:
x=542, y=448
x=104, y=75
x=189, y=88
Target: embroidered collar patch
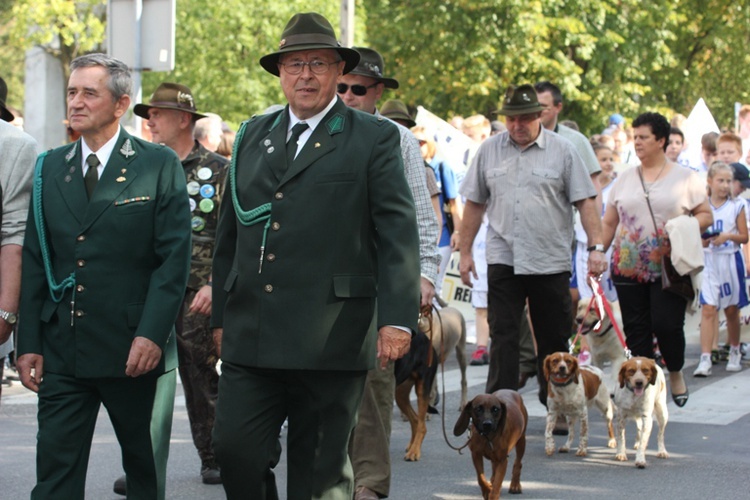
x=127, y=149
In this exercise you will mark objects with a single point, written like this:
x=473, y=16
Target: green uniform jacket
x=129, y=247
x=342, y=238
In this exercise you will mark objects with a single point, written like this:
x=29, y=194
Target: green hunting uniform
x=127, y=251
x=340, y=259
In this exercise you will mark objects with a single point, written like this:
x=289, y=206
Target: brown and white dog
x=570, y=392
x=604, y=343
x=498, y=426
x=642, y=392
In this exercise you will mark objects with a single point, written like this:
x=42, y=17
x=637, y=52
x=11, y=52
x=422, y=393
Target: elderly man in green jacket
x=316, y=273
x=105, y=265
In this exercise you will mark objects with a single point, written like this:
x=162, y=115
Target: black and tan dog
x=416, y=370
x=498, y=426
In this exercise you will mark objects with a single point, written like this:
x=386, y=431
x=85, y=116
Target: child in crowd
x=607, y=177
x=676, y=144
x=729, y=148
x=724, y=273
x=708, y=150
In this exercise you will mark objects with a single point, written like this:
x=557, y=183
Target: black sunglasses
x=359, y=90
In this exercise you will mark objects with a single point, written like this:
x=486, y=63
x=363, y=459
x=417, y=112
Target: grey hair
x=120, y=82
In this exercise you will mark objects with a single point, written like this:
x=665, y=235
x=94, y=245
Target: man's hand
x=455, y=240
x=392, y=344
x=467, y=269
x=428, y=292
x=202, y=301
x=144, y=356
x=31, y=370
x=6, y=329
x=597, y=263
x=218, y=333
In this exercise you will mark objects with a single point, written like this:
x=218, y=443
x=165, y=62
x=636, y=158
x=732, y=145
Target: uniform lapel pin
x=127, y=149
x=317, y=144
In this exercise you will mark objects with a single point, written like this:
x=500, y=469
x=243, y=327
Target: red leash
x=602, y=307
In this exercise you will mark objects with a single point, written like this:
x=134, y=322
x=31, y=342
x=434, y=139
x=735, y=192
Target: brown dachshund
x=499, y=426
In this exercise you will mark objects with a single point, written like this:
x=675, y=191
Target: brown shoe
x=561, y=427
x=364, y=493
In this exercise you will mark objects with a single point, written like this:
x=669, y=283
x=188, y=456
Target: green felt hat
x=521, y=100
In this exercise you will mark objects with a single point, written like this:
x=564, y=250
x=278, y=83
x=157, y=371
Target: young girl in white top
x=724, y=272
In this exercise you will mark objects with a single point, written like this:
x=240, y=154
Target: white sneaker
x=735, y=356
x=704, y=366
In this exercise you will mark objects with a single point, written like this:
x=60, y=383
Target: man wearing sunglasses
x=316, y=268
x=361, y=89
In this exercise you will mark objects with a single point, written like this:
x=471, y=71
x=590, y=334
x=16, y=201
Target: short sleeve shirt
x=529, y=195
x=637, y=250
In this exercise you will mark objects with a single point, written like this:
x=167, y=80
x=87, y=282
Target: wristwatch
x=9, y=317
x=596, y=248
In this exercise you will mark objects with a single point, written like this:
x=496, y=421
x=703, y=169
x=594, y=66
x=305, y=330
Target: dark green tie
x=291, y=146
x=92, y=174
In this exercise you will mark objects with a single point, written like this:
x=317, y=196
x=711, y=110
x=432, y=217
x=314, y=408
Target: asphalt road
x=707, y=442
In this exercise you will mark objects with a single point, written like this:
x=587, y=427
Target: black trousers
x=550, y=311
x=648, y=310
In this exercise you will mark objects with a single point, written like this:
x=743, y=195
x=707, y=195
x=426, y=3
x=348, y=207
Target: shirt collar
x=313, y=121
x=540, y=141
x=104, y=152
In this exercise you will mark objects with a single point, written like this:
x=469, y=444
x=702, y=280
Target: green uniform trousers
x=140, y=410
x=321, y=406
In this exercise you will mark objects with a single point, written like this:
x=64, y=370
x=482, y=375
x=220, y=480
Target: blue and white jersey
x=725, y=221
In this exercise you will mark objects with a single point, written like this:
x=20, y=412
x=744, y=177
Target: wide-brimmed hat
x=169, y=96
x=308, y=31
x=396, y=110
x=371, y=64
x=5, y=113
x=521, y=100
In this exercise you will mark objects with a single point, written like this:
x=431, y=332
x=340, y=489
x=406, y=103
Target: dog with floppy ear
x=498, y=426
x=642, y=393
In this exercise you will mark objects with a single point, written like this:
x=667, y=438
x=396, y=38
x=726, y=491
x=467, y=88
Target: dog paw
x=662, y=454
x=612, y=443
x=515, y=489
x=621, y=457
x=549, y=451
x=563, y=449
x=581, y=453
x=411, y=457
x=641, y=465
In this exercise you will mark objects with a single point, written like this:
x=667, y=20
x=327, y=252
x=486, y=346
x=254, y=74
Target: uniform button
x=79, y=314
x=81, y=263
x=268, y=288
x=81, y=237
x=279, y=196
x=271, y=257
x=275, y=226
x=80, y=288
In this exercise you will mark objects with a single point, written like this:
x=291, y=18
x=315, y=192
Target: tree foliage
x=451, y=56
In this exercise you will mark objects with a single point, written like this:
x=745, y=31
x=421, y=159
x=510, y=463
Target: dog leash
x=602, y=307
x=442, y=374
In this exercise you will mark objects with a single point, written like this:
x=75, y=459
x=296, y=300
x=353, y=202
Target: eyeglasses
x=317, y=67
x=359, y=90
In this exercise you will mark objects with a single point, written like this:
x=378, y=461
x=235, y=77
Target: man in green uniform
x=317, y=274
x=105, y=265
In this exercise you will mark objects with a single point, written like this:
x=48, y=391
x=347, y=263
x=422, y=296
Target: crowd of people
x=327, y=224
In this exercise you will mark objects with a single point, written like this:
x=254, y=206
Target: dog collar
x=561, y=384
x=601, y=334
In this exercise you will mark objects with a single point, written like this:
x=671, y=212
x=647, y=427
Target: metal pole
x=347, y=23
x=138, y=65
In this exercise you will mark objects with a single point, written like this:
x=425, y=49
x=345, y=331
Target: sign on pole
x=156, y=42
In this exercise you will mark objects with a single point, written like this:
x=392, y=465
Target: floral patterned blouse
x=637, y=252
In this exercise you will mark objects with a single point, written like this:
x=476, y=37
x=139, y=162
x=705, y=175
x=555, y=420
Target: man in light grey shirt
x=527, y=179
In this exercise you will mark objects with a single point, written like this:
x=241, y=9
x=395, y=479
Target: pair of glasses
x=359, y=90
x=297, y=67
